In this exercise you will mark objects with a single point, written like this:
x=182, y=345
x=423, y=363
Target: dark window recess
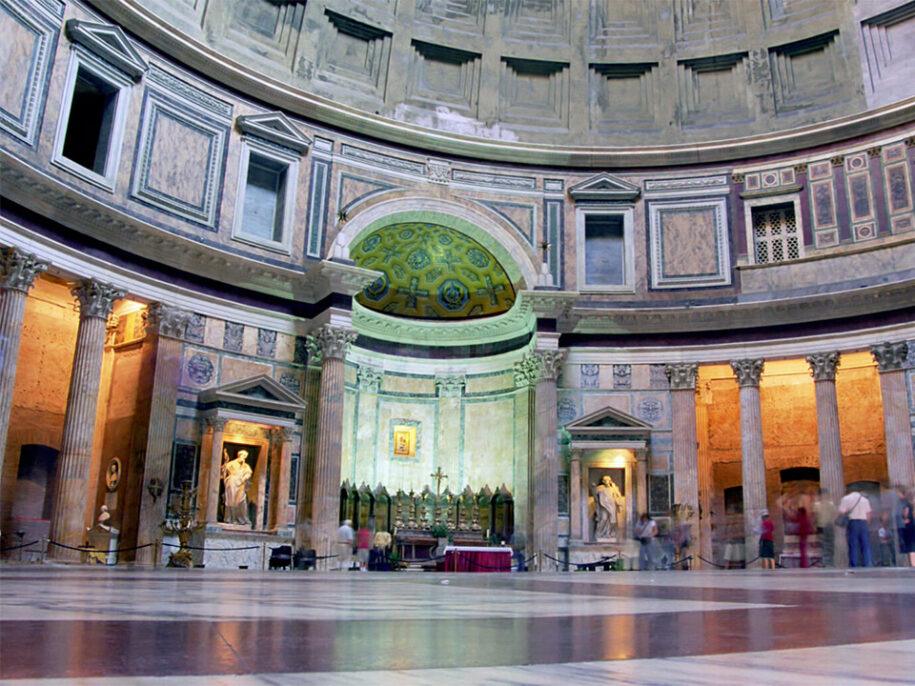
x=91, y=122
x=185, y=464
x=294, y=479
x=265, y=196
x=604, y=250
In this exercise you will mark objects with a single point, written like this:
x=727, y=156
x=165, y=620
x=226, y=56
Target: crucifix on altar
x=438, y=475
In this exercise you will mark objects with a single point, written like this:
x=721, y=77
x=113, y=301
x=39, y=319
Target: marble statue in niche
x=236, y=474
x=609, y=503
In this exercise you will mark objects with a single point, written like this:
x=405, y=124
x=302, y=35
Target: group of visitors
x=368, y=547
x=892, y=526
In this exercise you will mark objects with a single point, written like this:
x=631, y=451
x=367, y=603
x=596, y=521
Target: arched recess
x=486, y=229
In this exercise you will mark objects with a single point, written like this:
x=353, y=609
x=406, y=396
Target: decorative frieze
x=748, y=371
x=334, y=341
x=682, y=377
x=823, y=366
x=165, y=321
x=622, y=376
x=96, y=299
x=890, y=356
x=18, y=270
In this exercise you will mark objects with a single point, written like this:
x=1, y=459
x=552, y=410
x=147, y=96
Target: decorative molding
x=748, y=372
x=110, y=44
x=550, y=364
x=490, y=180
x=890, y=356
x=191, y=94
x=706, y=184
x=318, y=199
x=96, y=299
x=438, y=171
x=315, y=356
x=276, y=128
x=823, y=365
x=334, y=341
x=382, y=161
x=450, y=386
x=18, y=269
x=165, y=320
x=682, y=376
x=605, y=188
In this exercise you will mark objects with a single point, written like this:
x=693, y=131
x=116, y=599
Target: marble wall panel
x=488, y=451
x=237, y=368
x=214, y=332
x=489, y=383
x=689, y=244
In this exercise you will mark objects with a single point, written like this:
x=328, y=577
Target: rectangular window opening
x=265, y=198
x=91, y=121
x=605, y=257
x=775, y=234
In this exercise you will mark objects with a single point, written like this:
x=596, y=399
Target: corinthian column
x=70, y=490
x=306, y=475
x=333, y=341
x=900, y=462
x=687, y=479
x=165, y=328
x=545, y=483
x=751, y=444
x=832, y=476
x=17, y=274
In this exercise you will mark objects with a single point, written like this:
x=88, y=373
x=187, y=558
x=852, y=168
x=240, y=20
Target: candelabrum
x=475, y=516
x=183, y=525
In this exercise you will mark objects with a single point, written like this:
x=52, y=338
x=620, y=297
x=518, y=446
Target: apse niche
x=431, y=271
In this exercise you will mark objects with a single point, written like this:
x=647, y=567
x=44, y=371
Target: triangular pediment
x=608, y=418
x=109, y=43
x=255, y=394
x=605, y=187
x=276, y=128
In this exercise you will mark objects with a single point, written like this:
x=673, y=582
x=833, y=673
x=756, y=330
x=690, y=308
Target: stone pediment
x=276, y=128
x=109, y=43
x=257, y=395
x=605, y=187
x=608, y=424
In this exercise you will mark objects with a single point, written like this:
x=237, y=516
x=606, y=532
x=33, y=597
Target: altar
x=477, y=559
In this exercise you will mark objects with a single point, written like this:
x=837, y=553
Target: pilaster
x=311, y=393
x=215, y=430
x=545, y=484
x=682, y=378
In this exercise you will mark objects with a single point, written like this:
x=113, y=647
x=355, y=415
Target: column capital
x=96, y=299
x=450, y=385
x=527, y=371
x=823, y=365
x=333, y=341
x=682, y=376
x=215, y=423
x=369, y=379
x=748, y=371
x=281, y=434
x=550, y=363
x=165, y=320
x=18, y=269
x=890, y=356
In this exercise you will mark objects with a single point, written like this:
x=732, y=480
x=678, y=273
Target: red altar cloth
x=477, y=559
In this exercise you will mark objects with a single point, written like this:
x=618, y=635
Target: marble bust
x=235, y=477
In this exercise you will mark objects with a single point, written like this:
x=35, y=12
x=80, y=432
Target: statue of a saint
x=235, y=476
x=609, y=501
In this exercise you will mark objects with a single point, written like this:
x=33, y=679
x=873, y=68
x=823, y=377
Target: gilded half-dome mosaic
x=432, y=272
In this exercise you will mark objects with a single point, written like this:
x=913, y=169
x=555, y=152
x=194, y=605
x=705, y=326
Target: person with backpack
x=854, y=513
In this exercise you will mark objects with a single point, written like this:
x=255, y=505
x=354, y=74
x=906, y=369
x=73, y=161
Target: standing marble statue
x=235, y=476
x=609, y=501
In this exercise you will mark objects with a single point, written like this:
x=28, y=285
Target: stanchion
x=263, y=556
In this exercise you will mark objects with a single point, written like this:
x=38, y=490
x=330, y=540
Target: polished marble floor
x=196, y=627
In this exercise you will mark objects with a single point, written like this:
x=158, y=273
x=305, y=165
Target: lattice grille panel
x=775, y=235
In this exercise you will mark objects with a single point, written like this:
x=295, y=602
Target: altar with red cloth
x=459, y=558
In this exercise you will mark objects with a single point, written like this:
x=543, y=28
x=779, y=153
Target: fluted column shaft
x=216, y=427
x=832, y=473
x=545, y=482
x=575, y=518
x=281, y=444
x=682, y=379
x=167, y=325
x=17, y=274
x=753, y=464
x=70, y=490
x=303, y=509
x=900, y=461
x=334, y=342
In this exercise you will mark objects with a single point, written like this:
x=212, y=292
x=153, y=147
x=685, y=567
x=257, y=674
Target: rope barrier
x=90, y=549
x=193, y=547
x=17, y=547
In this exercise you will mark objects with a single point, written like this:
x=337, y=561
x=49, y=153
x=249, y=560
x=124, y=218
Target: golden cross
x=438, y=476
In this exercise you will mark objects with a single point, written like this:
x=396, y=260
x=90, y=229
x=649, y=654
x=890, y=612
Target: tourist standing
x=887, y=556
x=646, y=529
x=905, y=524
x=804, y=529
x=363, y=543
x=345, y=545
x=767, y=542
x=857, y=508
x=824, y=511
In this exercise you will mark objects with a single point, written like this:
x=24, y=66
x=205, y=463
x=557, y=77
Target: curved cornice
x=132, y=15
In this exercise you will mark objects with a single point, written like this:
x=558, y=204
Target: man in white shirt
x=345, y=536
x=857, y=508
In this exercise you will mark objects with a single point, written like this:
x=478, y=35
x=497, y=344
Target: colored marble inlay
x=433, y=272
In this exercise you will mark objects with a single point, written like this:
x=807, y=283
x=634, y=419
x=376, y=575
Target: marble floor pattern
x=195, y=627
